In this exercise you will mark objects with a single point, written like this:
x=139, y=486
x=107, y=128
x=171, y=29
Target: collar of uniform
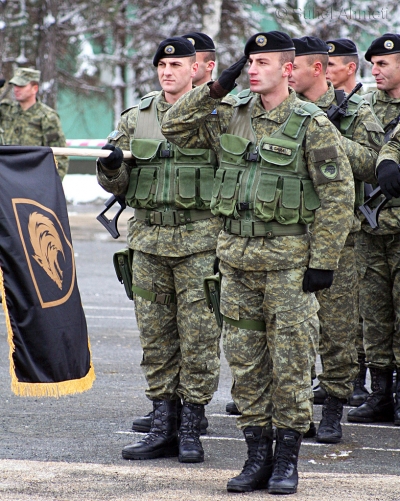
x=325, y=100
x=278, y=114
x=162, y=104
x=382, y=95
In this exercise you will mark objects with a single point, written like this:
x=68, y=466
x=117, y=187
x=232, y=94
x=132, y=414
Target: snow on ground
x=83, y=188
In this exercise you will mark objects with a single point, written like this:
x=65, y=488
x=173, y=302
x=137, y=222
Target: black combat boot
x=142, y=424
x=190, y=448
x=319, y=395
x=284, y=477
x=162, y=439
x=232, y=409
x=257, y=469
x=360, y=392
x=379, y=404
x=397, y=401
x=330, y=429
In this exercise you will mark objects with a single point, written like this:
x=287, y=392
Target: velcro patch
x=324, y=154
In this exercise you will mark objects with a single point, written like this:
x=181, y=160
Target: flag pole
x=86, y=152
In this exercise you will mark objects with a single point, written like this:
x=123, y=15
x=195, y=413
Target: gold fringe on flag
x=59, y=389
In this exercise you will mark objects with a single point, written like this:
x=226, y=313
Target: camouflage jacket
x=386, y=109
x=171, y=241
x=363, y=147
x=39, y=125
x=185, y=123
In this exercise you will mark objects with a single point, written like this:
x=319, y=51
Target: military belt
x=171, y=217
x=271, y=229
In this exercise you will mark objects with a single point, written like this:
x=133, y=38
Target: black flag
x=47, y=332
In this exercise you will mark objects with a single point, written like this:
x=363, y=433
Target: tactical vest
x=166, y=176
x=269, y=180
x=347, y=124
x=370, y=97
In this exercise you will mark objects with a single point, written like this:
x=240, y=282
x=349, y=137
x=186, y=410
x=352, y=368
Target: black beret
x=309, y=45
x=272, y=41
x=174, y=47
x=201, y=41
x=389, y=43
x=341, y=47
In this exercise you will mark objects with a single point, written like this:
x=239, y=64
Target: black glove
x=226, y=82
x=315, y=280
x=388, y=174
x=114, y=160
x=2, y=82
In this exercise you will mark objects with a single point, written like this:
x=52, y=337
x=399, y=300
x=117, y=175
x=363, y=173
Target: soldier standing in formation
x=362, y=137
x=379, y=250
x=173, y=236
x=29, y=122
x=280, y=160
x=342, y=70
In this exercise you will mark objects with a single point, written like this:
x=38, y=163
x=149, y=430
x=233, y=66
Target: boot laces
x=285, y=458
x=331, y=412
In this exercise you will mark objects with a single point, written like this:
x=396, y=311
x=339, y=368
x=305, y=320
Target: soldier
x=342, y=70
x=379, y=249
x=28, y=121
x=205, y=56
x=280, y=160
x=339, y=310
x=174, y=236
x=389, y=158
x=343, y=64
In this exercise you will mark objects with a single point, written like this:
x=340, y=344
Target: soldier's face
x=386, y=71
x=266, y=72
x=204, y=68
x=302, y=77
x=175, y=74
x=25, y=93
x=338, y=72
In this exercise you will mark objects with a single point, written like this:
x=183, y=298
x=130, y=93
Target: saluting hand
x=227, y=81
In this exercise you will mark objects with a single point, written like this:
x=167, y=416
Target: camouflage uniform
x=339, y=305
x=379, y=255
x=39, y=125
x=262, y=276
x=180, y=338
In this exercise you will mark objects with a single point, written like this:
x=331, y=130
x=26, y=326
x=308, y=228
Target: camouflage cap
x=23, y=76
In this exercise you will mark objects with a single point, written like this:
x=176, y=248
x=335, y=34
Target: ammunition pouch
x=123, y=268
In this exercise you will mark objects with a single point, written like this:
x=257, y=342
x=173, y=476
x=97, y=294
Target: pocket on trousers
x=297, y=315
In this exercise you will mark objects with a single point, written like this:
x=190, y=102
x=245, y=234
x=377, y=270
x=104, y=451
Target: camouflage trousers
x=339, y=324
x=271, y=369
x=180, y=341
x=379, y=257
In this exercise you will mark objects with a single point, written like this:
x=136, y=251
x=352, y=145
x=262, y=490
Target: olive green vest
x=347, y=124
x=269, y=180
x=165, y=175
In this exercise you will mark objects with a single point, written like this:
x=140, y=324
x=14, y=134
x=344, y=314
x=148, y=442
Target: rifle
x=372, y=214
x=111, y=225
x=336, y=112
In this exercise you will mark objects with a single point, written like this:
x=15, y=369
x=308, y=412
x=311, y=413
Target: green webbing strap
x=153, y=296
x=251, y=325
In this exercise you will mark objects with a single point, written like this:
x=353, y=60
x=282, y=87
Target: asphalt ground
x=70, y=448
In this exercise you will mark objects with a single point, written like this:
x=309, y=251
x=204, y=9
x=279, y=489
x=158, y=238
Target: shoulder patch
x=329, y=170
x=114, y=135
x=214, y=112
